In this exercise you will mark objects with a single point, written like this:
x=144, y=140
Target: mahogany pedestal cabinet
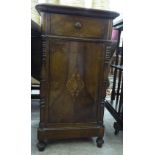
x=76, y=50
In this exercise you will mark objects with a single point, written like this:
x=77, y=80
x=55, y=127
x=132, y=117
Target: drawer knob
x=78, y=25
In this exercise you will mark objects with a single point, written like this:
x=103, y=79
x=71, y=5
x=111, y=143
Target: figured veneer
x=75, y=54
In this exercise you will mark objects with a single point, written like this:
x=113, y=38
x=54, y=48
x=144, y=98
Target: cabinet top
x=62, y=9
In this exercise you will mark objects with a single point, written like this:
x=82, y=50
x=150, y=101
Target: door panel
x=74, y=69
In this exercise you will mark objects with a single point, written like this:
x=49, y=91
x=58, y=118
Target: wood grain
x=75, y=54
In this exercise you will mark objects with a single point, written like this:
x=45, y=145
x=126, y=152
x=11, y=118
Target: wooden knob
x=78, y=25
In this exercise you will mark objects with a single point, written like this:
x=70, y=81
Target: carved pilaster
x=105, y=85
x=108, y=54
x=43, y=81
x=44, y=44
x=42, y=103
x=110, y=48
x=43, y=69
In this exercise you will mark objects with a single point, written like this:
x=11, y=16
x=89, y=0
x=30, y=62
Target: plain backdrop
x=15, y=77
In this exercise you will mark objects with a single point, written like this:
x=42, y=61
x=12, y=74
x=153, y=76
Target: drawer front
x=78, y=26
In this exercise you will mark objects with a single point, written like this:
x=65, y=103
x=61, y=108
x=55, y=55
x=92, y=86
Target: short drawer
x=78, y=26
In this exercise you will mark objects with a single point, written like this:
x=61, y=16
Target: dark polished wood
x=99, y=142
x=70, y=10
x=77, y=26
x=75, y=59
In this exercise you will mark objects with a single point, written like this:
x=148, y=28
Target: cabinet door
x=75, y=81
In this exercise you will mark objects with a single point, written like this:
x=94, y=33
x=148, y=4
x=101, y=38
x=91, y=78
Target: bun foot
x=99, y=142
x=41, y=146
